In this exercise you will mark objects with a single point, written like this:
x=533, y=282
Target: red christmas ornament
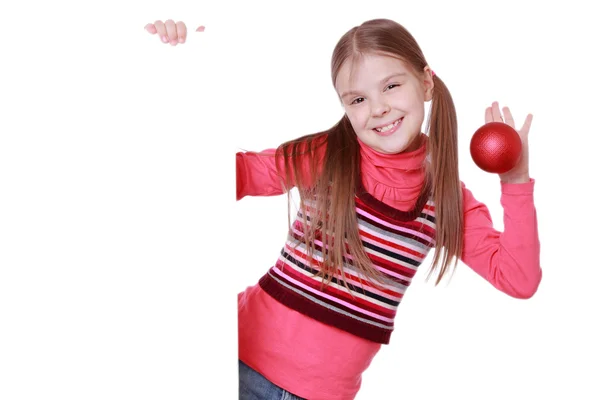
x=496, y=147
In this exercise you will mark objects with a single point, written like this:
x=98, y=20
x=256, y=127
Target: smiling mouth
x=389, y=127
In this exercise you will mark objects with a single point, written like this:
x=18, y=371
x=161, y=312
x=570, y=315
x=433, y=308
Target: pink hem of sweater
x=305, y=357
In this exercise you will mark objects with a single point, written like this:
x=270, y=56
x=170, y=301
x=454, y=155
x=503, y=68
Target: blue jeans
x=254, y=386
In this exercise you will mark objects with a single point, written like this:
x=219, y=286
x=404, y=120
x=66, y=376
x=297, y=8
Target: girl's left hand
x=520, y=173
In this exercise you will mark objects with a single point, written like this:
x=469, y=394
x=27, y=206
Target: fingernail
x=200, y=29
x=165, y=40
x=173, y=42
x=180, y=40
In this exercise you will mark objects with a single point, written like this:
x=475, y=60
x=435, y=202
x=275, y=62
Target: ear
x=428, y=83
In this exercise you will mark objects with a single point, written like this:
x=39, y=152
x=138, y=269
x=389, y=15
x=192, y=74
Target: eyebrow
x=387, y=78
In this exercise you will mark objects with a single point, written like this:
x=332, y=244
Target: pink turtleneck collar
x=394, y=179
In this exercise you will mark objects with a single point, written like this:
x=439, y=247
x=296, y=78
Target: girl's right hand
x=170, y=32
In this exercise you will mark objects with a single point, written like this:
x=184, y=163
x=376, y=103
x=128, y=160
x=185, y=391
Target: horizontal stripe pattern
x=395, y=246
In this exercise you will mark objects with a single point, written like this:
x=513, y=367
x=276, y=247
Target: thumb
x=150, y=28
x=200, y=28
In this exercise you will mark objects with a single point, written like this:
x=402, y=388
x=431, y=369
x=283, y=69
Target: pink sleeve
x=509, y=260
x=256, y=173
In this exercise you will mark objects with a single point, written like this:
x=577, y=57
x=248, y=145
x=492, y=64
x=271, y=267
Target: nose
x=379, y=108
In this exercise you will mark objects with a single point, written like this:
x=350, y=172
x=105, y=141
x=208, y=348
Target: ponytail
x=444, y=179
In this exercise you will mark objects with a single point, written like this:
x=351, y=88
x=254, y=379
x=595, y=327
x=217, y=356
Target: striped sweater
x=396, y=242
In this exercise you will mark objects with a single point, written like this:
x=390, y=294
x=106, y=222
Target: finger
x=488, y=115
x=200, y=28
x=496, y=112
x=161, y=31
x=508, y=117
x=171, y=31
x=527, y=124
x=150, y=28
x=181, y=32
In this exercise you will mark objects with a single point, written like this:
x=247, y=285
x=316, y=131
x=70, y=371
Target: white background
x=122, y=248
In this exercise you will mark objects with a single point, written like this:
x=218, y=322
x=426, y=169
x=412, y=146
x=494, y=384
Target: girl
x=376, y=195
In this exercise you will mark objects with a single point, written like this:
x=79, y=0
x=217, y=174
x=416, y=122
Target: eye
x=393, y=85
x=356, y=101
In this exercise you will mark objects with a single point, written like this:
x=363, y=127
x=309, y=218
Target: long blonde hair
x=334, y=213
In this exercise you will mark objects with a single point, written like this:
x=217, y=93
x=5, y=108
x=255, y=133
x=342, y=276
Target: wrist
x=516, y=179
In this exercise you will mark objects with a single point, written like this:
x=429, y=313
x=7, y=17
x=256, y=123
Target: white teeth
x=387, y=128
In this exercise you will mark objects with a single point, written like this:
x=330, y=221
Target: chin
x=391, y=147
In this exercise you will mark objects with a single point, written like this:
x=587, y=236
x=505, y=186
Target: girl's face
x=384, y=101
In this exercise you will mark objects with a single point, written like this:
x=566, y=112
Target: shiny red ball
x=496, y=147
